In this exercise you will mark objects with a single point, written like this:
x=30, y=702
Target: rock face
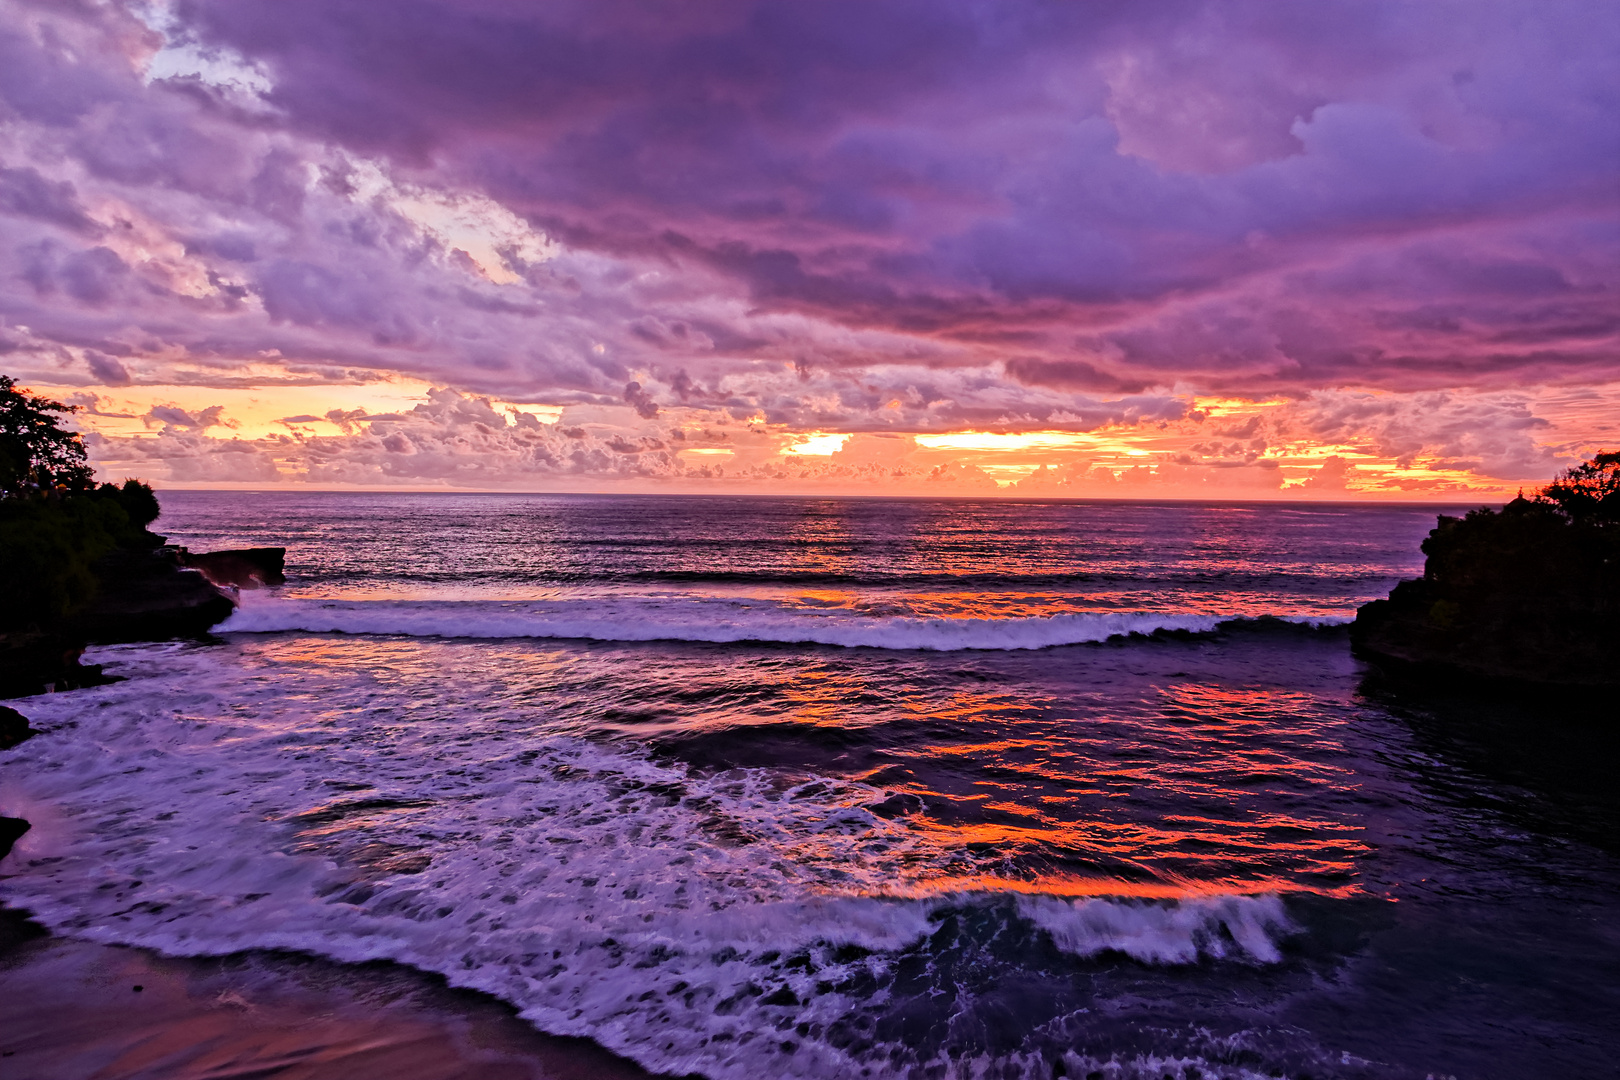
x=141, y=595
x=242, y=568
x=148, y=596
x=11, y=830
x=1523, y=596
x=13, y=728
x=36, y=662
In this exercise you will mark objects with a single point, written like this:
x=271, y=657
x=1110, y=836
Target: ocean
x=751, y=788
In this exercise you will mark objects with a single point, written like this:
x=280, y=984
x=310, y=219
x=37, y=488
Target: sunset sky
x=1126, y=248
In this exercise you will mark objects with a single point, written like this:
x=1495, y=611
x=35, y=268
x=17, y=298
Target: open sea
x=757, y=788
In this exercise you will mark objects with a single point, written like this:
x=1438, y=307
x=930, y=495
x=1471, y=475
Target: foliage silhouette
x=1589, y=492
x=56, y=523
x=1529, y=593
x=37, y=455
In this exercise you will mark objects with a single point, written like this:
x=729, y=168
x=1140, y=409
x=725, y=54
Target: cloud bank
x=873, y=218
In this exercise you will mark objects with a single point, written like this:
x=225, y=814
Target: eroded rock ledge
x=151, y=594
x=148, y=596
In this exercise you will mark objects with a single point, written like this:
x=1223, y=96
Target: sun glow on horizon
x=1003, y=441
x=817, y=444
x=332, y=434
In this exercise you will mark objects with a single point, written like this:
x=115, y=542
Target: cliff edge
x=1528, y=595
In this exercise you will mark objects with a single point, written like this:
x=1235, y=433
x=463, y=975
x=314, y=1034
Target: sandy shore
x=73, y=1010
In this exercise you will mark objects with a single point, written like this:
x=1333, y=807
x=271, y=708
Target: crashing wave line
x=571, y=948
x=479, y=620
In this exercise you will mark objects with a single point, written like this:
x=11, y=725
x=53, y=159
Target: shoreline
x=74, y=1011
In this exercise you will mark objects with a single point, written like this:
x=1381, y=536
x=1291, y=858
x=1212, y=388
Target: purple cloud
x=174, y=418
x=25, y=193
x=883, y=216
x=960, y=171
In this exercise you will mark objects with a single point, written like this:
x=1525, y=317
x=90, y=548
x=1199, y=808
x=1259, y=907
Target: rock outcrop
x=11, y=830
x=241, y=568
x=78, y=563
x=148, y=596
x=13, y=728
x=40, y=661
x=144, y=592
x=1528, y=595
x=140, y=595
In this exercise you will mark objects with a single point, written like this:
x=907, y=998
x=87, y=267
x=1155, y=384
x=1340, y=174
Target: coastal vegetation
x=1527, y=594
x=77, y=561
x=56, y=522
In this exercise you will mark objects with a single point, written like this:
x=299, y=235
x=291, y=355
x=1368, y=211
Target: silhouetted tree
x=1530, y=591
x=55, y=521
x=37, y=455
x=1588, y=492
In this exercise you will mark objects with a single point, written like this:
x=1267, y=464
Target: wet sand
x=72, y=1010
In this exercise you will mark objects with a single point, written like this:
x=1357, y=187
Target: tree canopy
x=37, y=455
x=55, y=521
x=1588, y=492
x=1528, y=593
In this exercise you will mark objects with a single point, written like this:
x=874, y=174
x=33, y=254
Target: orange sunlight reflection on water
x=1076, y=772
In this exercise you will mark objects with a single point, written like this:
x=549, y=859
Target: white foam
x=718, y=621
x=1158, y=932
x=1114, y=1067
x=223, y=800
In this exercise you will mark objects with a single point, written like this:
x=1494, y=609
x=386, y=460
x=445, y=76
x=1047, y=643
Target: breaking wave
x=1164, y=933
x=715, y=621
x=684, y=920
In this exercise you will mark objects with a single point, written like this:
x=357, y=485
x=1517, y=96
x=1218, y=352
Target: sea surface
x=758, y=788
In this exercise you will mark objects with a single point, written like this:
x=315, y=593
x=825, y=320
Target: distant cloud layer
x=874, y=217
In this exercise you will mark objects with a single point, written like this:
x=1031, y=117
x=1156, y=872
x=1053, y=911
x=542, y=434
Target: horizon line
x=870, y=496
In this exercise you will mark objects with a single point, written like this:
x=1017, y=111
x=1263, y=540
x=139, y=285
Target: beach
x=79, y=1010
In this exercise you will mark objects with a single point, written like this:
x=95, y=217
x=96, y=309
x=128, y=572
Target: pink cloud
x=874, y=217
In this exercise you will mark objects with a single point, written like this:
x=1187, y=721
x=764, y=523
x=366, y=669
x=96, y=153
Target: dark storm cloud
x=874, y=217
x=106, y=368
x=25, y=193
x=936, y=167
x=172, y=417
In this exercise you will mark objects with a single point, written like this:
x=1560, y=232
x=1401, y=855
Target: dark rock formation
x=1529, y=595
x=148, y=596
x=37, y=662
x=11, y=830
x=78, y=563
x=13, y=728
x=243, y=568
x=139, y=595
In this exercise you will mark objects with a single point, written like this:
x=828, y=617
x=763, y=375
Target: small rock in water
x=897, y=805
x=11, y=829
x=13, y=728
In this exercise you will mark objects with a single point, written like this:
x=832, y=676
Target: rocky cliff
x=1527, y=595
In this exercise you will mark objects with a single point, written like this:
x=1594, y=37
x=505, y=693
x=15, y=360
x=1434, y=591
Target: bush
x=1530, y=592
x=49, y=547
x=1588, y=493
x=1530, y=551
x=55, y=522
x=37, y=455
x=1562, y=544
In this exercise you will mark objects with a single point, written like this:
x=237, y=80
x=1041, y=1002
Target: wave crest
x=712, y=622
x=1164, y=933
